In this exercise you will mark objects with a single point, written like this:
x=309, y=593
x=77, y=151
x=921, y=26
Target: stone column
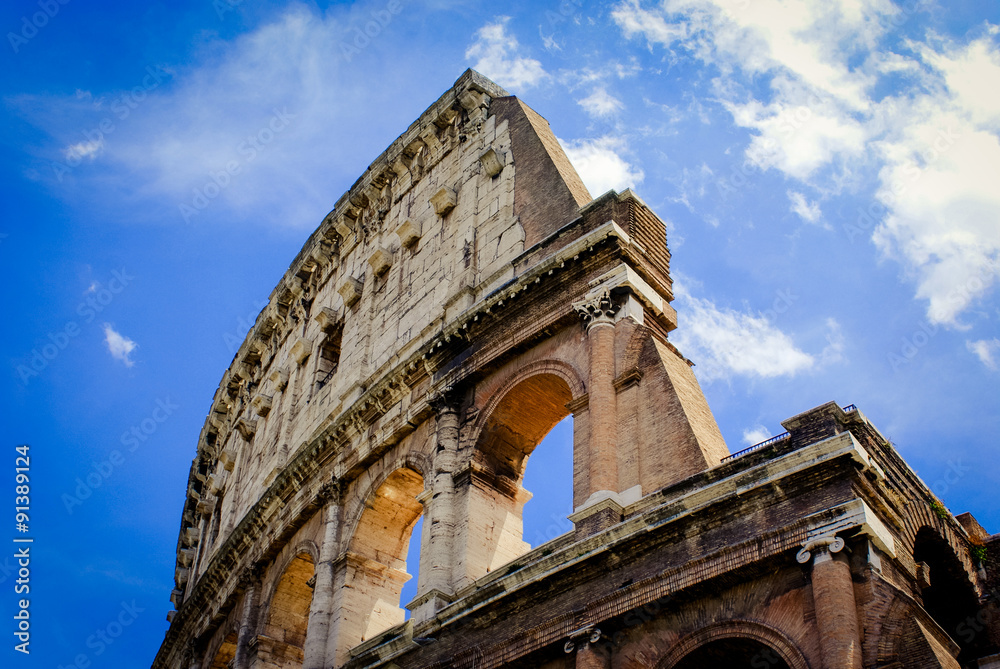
x=833, y=596
x=437, y=553
x=318, y=633
x=598, y=314
x=248, y=620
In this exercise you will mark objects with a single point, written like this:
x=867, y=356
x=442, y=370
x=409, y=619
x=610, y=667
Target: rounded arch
x=286, y=617
x=745, y=636
x=225, y=653
x=948, y=594
x=921, y=517
x=367, y=486
x=376, y=548
x=389, y=511
x=519, y=414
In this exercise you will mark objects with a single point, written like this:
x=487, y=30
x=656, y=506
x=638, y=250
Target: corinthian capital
x=600, y=308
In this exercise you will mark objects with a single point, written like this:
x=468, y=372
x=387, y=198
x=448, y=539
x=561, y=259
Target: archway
x=284, y=633
x=377, y=555
x=225, y=654
x=948, y=596
x=732, y=653
x=736, y=644
x=515, y=420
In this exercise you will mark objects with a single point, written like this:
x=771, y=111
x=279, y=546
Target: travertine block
x=350, y=291
x=380, y=260
x=408, y=232
x=443, y=201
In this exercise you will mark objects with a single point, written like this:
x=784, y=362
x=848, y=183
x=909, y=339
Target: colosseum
x=463, y=297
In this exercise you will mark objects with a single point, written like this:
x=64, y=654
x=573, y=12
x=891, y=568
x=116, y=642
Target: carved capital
x=330, y=491
x=832, y=544
x=584, y=635
x=599, y=309
x=447, y=400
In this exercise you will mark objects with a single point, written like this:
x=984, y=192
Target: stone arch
x=368, y=484
x=949, y=595
x=744, y=635
x=505, y=433
x=285, y=622
x=375, y=560
x=920, y=516
x=225, y=653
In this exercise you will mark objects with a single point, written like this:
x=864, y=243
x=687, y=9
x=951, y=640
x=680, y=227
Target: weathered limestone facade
x=463, y=297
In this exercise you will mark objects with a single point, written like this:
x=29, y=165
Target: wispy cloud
x=601, y=163
x=807, y=211
x=988, y=352
x=601, y=104
x=755, y=435
x=724, y=342
x=496, y=54
x=119, y=345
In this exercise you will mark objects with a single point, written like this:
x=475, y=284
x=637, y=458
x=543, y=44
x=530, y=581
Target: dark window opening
x=329, y=357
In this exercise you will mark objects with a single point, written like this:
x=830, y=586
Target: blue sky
x=828, y=173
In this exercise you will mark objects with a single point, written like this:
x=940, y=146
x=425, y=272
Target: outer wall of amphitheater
x=462, y=298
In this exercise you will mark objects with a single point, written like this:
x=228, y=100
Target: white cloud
x=724, y=342
x=807, y=211
x=756, y=434
x=601, y=165
x=834, y=349
x=89, y=150
x=495, y=53
x=600, y=104
x=988, y=352
x=119, y=345
x=933, y=139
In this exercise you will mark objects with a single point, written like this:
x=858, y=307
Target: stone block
x=261, y=405
x=492, y=162
x=327, y=318
x=301, y=349
x=380, y=260
x=350, y=291
x=443, y=201
x=408, y=232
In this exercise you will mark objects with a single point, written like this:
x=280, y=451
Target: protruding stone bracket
x=247, y=427
x=832, y=544
x=408, y=233
x=279, y=377
x=261, y=405
x=492, y=162
x=597, y=310
x=327, y=318
x=301, y=349
x=444, y=201
x=380, y=260
x=350, y=291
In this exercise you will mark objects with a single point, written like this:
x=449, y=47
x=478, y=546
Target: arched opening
x=225, y=654
x=948, y=595
x=732, y=653
x=288, y=616
x=377, y=556
x=549, y=479
x=515, y=425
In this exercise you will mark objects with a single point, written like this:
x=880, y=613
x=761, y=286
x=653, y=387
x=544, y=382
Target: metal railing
x=757, y=447
x=781, y=437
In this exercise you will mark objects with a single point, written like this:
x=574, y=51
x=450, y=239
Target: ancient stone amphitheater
x=463, y=297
